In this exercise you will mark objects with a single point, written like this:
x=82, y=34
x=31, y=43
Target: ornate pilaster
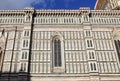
x=90, y=51
x=26, y=44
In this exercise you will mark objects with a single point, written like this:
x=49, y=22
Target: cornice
x=63, y=12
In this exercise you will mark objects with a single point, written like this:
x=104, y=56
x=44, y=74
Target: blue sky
x=46, y=4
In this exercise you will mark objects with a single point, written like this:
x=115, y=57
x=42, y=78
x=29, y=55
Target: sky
x=46, y=4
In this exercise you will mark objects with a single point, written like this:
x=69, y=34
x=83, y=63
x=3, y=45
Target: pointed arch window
x=26, y=33
x=93, y=66
x=89, y=43
x=58, y=63
x=57, y=52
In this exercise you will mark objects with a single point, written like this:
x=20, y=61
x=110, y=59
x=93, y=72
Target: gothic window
x=89, y=43
x=24, y=55
x=26, y=33
x=57, y=52
x=25, y=43
x=91, y=55
x=58, y=63
x=88, y=33
x=23, y=67
x=93, y=66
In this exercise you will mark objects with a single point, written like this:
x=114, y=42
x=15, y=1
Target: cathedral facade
x=59, y=45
